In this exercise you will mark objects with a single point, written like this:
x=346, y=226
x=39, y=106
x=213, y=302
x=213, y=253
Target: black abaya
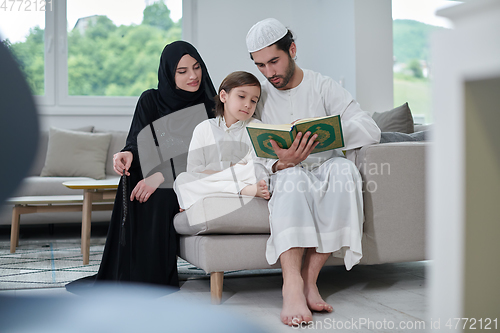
x=149, y=252
x=150, y=249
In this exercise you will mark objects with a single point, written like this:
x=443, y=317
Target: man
x=316, y=208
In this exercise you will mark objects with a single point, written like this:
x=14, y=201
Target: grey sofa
x=35, y=185
x=225, y=232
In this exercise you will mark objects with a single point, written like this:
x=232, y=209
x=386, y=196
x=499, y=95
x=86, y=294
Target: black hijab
x=156, y=103
x=170, y=98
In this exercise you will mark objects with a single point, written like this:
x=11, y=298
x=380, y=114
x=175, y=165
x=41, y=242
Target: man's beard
x=285, y=78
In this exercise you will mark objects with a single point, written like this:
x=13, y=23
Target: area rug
x=54, y=263
x=46, y=264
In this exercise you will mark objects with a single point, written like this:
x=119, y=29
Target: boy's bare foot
x=295, y=310
x=314, y=300
x=258, y=189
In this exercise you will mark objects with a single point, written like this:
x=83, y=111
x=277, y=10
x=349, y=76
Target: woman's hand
x=122, y=161
x=146, y=187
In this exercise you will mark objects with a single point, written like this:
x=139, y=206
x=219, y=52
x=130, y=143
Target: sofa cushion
x=76, y=154
x=43, y=142
x=118, y=139
x=224, y=214
x=396, y=120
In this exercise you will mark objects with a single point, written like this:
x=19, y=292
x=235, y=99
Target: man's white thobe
x=318, y=203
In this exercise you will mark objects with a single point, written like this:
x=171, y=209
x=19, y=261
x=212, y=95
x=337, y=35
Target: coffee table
x=39, y=204
x=93, y=191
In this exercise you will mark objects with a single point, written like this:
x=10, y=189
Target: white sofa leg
x=216, y=281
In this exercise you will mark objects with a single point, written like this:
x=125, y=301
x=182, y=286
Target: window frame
x=57, y=100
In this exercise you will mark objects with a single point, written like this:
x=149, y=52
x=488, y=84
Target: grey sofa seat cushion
x=224, y=214
x=76, y=154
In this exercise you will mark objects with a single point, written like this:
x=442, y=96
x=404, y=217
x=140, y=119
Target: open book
x=328, y=129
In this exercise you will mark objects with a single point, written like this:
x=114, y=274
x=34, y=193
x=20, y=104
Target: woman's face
x=188, y=74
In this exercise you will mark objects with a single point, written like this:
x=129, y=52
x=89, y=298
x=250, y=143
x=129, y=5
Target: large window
x=114, y=46
x=22, y=29
x=90, y=52
x=413, y=24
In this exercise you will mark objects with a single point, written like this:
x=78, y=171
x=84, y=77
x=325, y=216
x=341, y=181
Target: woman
x=147, y=249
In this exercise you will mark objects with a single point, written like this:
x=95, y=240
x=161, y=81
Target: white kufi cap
x=265, y=33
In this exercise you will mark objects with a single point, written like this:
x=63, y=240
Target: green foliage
x=101, y=28
x=411, y=40
x=157, y=15
x=104, y=60
x=415, y=67
x=30, y=57
x=124, y=63
x=410, y=47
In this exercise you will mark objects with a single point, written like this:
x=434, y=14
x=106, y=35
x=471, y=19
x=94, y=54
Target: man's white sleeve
x=358, y=127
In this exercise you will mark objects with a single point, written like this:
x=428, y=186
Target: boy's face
x=276, y=65
x=240, y=103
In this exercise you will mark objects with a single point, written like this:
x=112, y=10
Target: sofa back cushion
x=398, y=119
x=43, y=143
x=76, y=154
x=117, y=143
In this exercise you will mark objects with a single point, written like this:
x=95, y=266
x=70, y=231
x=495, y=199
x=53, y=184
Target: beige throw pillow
x=76, y=154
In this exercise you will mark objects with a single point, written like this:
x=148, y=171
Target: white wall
x=348, y=40
x=374, y=54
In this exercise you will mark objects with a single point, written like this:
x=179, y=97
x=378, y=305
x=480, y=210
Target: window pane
x=414, y=22
x=114, y=46
x=22, y=30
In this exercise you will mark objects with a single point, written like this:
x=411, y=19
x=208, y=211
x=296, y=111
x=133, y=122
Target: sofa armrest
x=394, y=201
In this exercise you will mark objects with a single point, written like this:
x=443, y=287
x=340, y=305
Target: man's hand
x=122, y=161
x=146, y=187
x=298, y=151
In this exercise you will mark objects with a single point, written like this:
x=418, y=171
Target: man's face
x=276, y=65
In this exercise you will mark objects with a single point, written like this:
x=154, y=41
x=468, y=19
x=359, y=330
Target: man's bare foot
x=314, y=300
x=295, y=310
x=258, y=189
